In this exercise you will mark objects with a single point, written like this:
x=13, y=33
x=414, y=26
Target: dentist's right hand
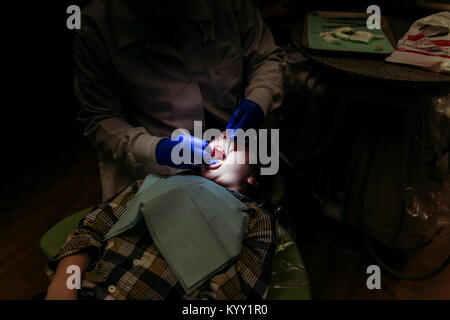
x=199, y=152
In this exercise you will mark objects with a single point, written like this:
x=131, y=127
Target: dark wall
x=40, y=71
x=38, y=108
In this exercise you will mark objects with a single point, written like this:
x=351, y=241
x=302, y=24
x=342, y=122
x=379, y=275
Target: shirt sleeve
x=101, y=104
x=264, y=60
x=249, y=277
x=90, y=233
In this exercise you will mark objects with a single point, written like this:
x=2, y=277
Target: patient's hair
x=263, y=192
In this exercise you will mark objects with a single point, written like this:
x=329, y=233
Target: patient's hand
x=59, y=291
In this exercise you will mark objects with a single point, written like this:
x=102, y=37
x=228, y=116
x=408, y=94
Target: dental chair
x=289, y=279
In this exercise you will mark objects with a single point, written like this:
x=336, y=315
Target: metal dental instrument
x=229, y=143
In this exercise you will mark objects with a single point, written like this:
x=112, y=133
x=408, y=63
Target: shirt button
x=111, y=289
x=136, y=262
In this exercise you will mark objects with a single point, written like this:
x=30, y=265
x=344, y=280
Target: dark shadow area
x=49, y=170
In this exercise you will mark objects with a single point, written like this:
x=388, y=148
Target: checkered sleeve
x=248, y=277
x=90, y=232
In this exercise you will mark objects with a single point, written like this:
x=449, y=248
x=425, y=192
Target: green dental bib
x=197, y=225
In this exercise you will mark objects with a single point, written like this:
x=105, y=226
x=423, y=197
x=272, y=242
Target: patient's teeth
x=218, y=153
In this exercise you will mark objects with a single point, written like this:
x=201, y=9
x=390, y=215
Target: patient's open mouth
x=219, y=154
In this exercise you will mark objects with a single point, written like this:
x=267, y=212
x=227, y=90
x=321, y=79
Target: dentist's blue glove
x=247, y=115
x=197, y=148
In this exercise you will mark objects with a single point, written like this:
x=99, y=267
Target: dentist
x=144, y=68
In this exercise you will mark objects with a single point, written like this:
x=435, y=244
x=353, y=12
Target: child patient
x=130, y=266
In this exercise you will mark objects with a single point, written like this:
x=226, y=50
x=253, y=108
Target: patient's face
x=232, y=169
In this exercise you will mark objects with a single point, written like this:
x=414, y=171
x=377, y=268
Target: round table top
x=374, y=68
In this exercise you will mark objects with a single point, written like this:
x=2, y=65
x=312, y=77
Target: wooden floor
x=67, y=181
x=337, y=261
x=64, y=183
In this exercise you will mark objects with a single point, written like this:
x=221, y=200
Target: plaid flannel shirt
x=130, y=266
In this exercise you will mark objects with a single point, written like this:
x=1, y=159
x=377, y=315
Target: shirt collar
x=128, y=28
x=199, y=12
x=241, y=196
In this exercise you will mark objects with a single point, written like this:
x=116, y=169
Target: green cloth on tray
x=316, y=24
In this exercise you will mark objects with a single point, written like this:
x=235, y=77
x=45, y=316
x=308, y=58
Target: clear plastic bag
x=426, y=192
x=426, y=44
x=430, y=210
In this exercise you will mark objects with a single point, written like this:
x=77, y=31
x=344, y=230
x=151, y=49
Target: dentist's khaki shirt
x=136, y=85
